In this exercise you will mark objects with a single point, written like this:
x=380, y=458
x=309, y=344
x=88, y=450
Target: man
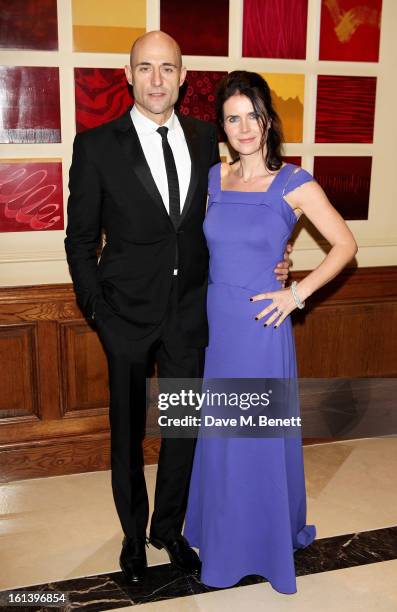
x=143, y=179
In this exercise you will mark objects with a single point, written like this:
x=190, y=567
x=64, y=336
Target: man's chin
x=158, y=108
x=151, y=109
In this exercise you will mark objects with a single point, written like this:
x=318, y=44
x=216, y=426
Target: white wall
x=28, y=258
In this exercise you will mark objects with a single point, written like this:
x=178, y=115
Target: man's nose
x=157, y=78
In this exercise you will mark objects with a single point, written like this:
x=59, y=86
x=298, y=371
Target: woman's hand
x=282, y=305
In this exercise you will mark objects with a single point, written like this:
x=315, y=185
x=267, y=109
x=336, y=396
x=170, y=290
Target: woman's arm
x=311, y=199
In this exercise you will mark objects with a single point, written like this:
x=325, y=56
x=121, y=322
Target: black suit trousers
x=129, y=362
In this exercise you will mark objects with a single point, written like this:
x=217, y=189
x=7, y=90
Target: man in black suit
x=143, y=179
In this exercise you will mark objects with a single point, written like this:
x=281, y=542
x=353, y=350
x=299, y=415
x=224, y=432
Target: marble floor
x=63, y=534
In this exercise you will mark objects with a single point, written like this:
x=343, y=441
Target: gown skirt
x=246, y=509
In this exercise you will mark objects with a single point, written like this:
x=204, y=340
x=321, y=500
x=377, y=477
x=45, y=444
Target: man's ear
x=182, y=76
x=128, y=73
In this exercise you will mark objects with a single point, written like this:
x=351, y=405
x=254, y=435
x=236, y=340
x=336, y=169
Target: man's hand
x=282, y=268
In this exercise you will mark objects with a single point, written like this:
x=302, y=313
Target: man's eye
x=144, y=68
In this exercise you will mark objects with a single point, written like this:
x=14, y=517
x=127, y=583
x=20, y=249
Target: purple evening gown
x=247, y=500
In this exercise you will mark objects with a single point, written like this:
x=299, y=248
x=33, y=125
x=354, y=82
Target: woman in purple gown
x=247, y=501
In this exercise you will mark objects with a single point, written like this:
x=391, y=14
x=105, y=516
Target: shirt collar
x=144, y=125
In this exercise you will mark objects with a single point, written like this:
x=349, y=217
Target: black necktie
x=172, y=177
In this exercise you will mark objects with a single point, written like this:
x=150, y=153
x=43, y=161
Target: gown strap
x=296, y=177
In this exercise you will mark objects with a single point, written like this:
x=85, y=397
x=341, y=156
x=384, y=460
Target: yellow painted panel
x=286, y=85
x=292, y=121
x=105, y=39
x=109, y=13
x=287, y=95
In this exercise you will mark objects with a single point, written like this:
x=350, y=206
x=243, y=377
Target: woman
x=247, y=501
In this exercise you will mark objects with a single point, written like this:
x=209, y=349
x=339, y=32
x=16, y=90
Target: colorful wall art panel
x=101, y=94
x=350, y=30
x=201, y=28
x=346, y=181
x=288, y=96
x=293, y=159
x=31, y=195
x=107, y=27
x=198, y=94
x=29, y=24
x=345, y=109
x=30, y=111
x=275, y=28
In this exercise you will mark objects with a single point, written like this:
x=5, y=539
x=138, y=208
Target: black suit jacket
x=112, y=189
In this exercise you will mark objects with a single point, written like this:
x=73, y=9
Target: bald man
x=143, y=179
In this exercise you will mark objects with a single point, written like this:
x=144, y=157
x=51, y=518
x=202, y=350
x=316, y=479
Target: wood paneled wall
x=54, y=396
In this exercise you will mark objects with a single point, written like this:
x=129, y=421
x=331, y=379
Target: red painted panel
x=29, y=24
x=292, y=159
x=30, y=110
x=201, y=28
x=346, y=181
x=275, y=28
x=350, y=30
x=31, y=196
x=345, y=109
x=101, y=94
x=198, y=95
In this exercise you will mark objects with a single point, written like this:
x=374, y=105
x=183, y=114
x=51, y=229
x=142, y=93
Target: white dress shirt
x=152, y=147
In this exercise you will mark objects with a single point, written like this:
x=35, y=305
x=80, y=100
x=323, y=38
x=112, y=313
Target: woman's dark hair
x=254, y=86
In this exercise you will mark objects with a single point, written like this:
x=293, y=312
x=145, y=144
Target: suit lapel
x=192, y=141
x=129, y=141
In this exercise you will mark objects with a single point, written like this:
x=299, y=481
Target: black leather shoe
x=179, y=552
x=133, y=560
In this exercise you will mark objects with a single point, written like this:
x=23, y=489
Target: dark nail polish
x=265, y=325
x=251, y=300
x=256, y=318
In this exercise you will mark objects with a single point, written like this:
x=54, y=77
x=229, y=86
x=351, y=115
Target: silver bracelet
x=296, y=296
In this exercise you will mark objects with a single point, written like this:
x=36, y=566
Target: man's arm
x=83, y=231
x=215, y=157
x=282, y=268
